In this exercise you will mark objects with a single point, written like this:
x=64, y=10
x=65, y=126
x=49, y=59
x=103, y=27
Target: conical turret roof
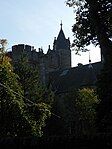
x=61, y=35
x=61, y=42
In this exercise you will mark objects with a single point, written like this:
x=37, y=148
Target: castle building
x=57, y=58
x=55, y=66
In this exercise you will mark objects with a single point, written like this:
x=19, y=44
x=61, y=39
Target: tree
x=85, y=106
x=18, y=115
x=104, y=90
x=37, y=95
x=75, y=113
x=13, y=120
x=30, y=81
x=94, y=25
x=65, y=109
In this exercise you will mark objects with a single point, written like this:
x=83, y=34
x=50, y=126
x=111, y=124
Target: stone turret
x=58, y=58
x=19, y=50
x=62, y=47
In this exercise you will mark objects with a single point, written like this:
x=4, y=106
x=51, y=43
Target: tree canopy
x=85, y=106
x=93, y=24
x=19, y=115
x=13, y=120
x=36, y=94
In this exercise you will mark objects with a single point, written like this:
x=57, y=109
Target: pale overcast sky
x=37, y=22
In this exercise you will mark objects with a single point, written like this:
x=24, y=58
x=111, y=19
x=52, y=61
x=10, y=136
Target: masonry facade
x=55, y=66
x=56, y=58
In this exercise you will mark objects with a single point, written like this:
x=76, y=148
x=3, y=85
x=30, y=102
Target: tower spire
x=89, y=58
x=90, y=65
x=61, y=24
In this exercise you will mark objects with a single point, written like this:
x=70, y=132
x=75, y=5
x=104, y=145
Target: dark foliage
x=98, y=141
x=94, y=25
x=104, y=90
x=93, y=22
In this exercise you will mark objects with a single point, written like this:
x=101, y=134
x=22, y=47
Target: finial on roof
x=89, y=58
x=49, y=47
x=61, y=24
x=90, y=65
x=54, y=38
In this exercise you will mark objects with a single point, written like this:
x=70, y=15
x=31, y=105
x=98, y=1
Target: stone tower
x=62, y=48
x=57, y=58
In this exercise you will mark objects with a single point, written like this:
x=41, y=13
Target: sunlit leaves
x=86, y=103
x=19, y=115
x=36, y=96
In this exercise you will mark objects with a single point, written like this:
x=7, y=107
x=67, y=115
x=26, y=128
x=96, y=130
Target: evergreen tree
x=30, y=81
x=36, y=95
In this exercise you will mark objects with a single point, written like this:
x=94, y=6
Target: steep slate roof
x=77, y=77
x=61, y=42
x=61, y=35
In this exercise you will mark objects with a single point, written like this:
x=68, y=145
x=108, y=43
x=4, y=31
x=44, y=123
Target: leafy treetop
x=93, y=23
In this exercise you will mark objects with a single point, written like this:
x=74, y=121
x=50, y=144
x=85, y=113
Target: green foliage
x=12, y=119
x=38, y=96
x=76, y=113
x=86, y=103
x=20, y=116
x=94, y=25
x=28, y=77
x=30, y=81
x=66, y=110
